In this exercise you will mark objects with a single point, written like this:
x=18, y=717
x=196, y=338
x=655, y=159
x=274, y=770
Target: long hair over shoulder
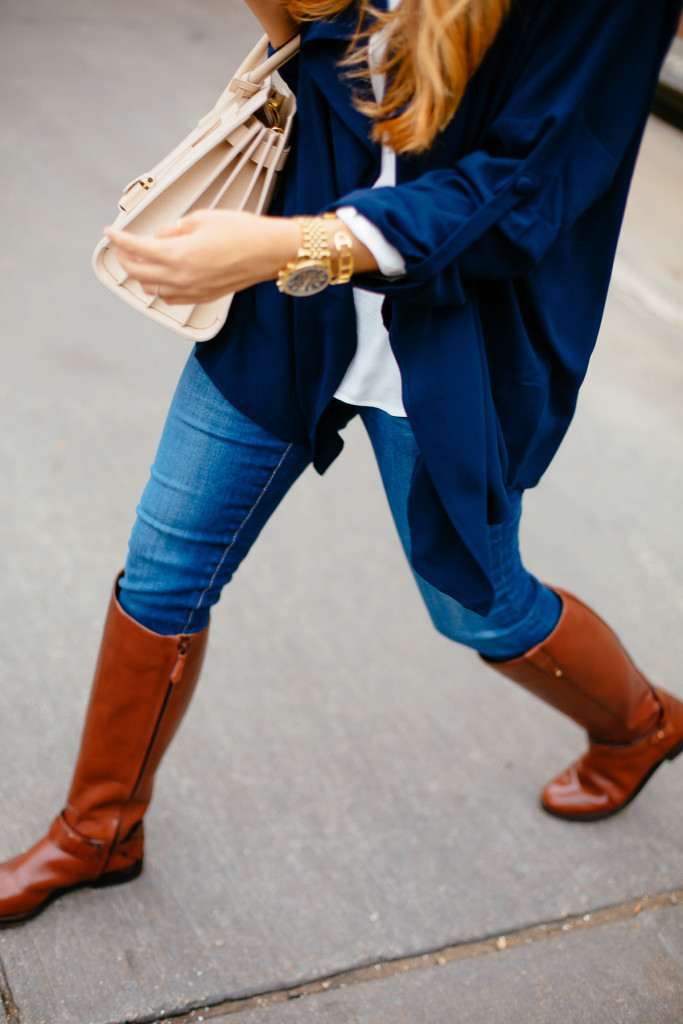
x=433, y=49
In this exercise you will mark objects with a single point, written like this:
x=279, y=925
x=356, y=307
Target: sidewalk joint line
x=11, y=1009
x=525, y=936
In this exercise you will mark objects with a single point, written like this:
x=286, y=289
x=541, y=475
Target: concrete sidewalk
x=346, y=828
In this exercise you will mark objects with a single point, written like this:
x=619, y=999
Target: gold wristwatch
x=311, y=269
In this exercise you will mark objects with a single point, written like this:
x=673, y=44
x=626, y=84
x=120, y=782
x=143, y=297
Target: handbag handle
x=275, y=61
x=249, y=82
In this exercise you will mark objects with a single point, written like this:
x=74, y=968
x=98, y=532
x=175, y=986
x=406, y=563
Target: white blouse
x=373, y=377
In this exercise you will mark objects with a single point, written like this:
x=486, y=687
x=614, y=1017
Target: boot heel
x=117, y=877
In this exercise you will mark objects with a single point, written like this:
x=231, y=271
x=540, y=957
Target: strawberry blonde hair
x=434, y=47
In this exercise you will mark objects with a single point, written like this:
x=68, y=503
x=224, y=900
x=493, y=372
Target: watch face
x=307, y=280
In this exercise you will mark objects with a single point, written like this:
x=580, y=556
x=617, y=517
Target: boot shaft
x=582, y=670
x=142, y=686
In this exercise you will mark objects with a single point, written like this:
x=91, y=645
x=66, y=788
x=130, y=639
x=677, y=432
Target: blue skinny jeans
x=216, y=479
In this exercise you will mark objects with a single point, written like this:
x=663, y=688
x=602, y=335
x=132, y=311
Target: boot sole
x=111, y=878
x=601, y=815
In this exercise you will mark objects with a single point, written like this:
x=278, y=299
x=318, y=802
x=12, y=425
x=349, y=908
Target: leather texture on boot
x=27, y=882
x=607, y=777
x=142, y=686
x=582, y=670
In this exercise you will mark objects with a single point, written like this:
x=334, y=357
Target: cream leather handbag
x=229, y=162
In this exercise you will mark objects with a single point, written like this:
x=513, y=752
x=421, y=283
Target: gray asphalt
x=349, y=790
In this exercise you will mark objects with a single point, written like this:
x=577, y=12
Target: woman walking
x=436, y=263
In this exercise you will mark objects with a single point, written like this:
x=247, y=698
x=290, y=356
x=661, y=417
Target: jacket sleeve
x=575, y=106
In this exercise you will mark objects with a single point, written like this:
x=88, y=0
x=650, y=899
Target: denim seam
x=239, y=529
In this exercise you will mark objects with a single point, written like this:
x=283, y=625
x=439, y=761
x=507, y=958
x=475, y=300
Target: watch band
x=314, y=244
x=312, y=269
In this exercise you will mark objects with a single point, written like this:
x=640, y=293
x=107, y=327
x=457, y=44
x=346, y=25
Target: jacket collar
x=323, y=46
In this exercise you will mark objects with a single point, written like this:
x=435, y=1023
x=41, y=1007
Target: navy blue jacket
x=508, y=228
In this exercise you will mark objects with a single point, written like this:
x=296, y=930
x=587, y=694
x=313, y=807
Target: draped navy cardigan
x=508, y=227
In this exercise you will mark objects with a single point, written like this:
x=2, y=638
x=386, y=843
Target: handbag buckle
x=270, y=113
x=134, y=190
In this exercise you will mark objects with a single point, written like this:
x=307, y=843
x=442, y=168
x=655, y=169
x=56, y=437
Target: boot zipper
x=181, y=657
x=184, y=643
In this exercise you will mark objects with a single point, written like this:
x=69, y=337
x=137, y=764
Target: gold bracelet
x=343, y=247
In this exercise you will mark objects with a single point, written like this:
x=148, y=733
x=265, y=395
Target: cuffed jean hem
x=524, y=612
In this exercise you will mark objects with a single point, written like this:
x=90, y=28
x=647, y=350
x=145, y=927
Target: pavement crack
x=497, y=943
x=12, y=1015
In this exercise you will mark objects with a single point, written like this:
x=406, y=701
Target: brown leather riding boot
x=583, y=671
x=143, y=684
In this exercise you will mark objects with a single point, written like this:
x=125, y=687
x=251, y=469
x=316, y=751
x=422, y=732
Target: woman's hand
x=207, y=254
x=212, y=253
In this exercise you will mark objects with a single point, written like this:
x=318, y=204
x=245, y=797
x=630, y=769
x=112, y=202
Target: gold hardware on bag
x=145, y=183
x=269, y=114
x=133, y=192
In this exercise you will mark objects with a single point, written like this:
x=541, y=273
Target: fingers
x=145, y=247
x=180, y=299
x=136, y=247
x=177, y=297
x=194, y=259
x=146, y=259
